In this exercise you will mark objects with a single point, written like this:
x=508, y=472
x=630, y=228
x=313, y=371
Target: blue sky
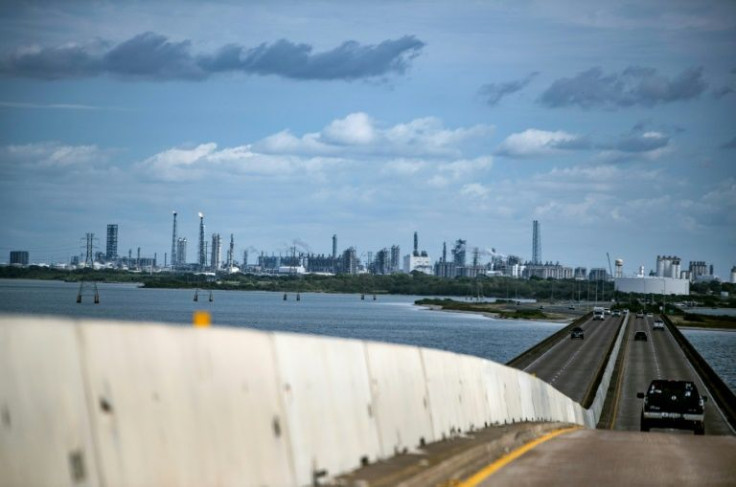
x=612, y=123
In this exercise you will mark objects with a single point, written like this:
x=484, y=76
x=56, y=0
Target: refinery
x=457, y=259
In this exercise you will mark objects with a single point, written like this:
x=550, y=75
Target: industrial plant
x=457, y=259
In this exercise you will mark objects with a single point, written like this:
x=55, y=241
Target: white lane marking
x=562, y=369
x=656, y=359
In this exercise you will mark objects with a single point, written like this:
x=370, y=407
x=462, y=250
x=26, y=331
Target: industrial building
x=216, y=257
x=417, y=261
x=666, y=280
x=536, y=243
x=181, y=252
x=18, y=257
x=548, y=271
x=700, y=271
x=111, y=250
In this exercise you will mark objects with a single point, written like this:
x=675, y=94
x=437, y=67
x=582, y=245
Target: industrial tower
x=536, y=243
x=202, y=251
x=112, y=243
x=174, y=244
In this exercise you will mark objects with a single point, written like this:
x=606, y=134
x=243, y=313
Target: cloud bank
x=151, y=56
x=355, y=142
x=634, y=86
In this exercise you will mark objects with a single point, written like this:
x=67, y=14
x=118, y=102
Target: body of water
x=392, y=319
x=711, y=311
x=718, y=348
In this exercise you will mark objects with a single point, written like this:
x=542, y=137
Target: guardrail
x=85, y=403
x=722, y=394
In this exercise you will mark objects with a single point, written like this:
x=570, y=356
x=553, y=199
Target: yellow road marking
x=506, y=459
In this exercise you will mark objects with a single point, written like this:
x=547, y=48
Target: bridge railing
x=84, y=403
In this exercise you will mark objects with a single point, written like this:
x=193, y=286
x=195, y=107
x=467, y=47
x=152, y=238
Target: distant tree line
x=416, y=283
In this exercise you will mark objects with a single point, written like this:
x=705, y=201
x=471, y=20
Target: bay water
x=393, y=319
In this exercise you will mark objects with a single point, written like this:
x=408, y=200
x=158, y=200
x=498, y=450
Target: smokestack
x=174, y=262
x=416, y=244
x=444, y=251
x=334, y=246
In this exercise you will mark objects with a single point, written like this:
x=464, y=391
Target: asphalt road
x=571, y=365
x=658, y=358
x=612, y=458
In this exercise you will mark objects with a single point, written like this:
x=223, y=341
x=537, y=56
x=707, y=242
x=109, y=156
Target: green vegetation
x=414, y=284
x=499, y=308
x=705, y=321
x=508, y=289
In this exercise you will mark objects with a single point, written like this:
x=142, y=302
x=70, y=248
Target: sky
x=612, y=123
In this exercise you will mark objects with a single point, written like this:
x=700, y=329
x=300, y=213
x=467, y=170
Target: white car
x=658, y=325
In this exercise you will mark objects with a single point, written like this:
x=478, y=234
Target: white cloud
x=403, y=167
x=355, y=129
x=355, y=143
x=359, y=135
x=56, y=155
x=462, y=168
x=475, y=190
x=534, y=142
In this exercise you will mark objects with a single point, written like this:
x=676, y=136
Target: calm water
x=388, y=319
x=711, y=311
x=718, y=348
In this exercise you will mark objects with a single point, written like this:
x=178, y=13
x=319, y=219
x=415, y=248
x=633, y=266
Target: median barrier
x=87, y=403
x=596, y=397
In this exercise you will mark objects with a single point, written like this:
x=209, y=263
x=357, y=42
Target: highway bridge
x=129, y=404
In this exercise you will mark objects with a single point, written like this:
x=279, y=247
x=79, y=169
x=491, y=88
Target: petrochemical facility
x=459, y=260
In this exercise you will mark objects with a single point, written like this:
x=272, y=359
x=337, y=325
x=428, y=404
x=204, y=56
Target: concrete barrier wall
x=85, y=403
x=593, y=413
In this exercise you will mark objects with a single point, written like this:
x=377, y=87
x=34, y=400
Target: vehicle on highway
x=606, y=311
x=577, y=332
x=598, y=313
x=640, y=314
x=672, y=404
x=640, y=336
x=616, y=312
x=650, y=315
x=658, y=325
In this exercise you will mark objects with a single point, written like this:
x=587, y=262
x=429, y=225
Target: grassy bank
x=499, y=309
x=689, y=320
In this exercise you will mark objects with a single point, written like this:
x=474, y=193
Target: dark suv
x=577, y=332
x=672, y=404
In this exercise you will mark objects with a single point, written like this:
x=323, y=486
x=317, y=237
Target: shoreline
x=492, y=315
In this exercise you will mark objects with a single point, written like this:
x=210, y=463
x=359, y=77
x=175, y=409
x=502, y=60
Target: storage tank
x=619, y=267
x=660, y=266
x=676, y=267
x=733, y=274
